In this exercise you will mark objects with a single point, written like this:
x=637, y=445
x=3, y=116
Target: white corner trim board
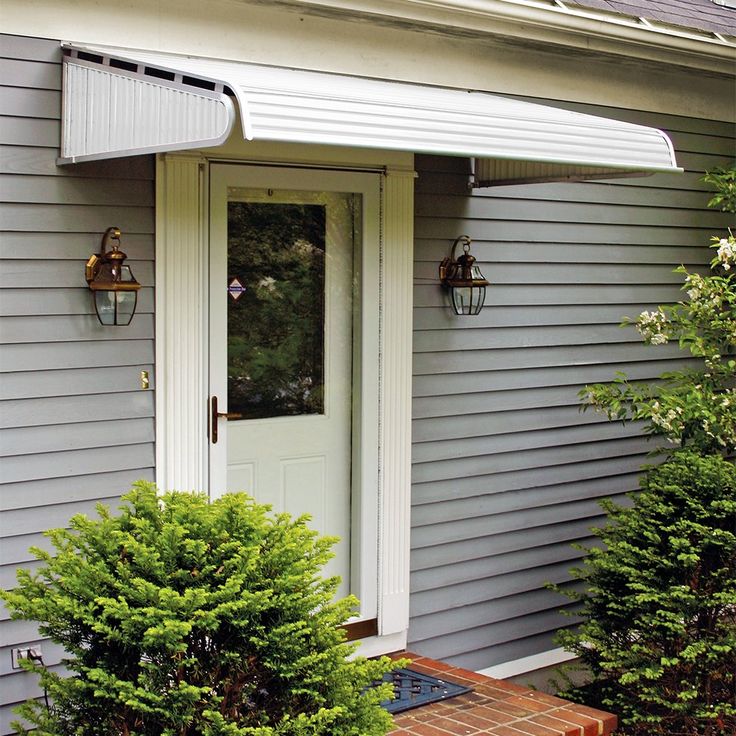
x=397, y=270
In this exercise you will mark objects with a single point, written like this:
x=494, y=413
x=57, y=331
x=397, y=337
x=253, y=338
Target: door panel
x=284, y=344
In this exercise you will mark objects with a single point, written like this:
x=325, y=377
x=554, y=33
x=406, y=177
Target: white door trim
x=181, y=323
x=395, y=402
x=182, y=353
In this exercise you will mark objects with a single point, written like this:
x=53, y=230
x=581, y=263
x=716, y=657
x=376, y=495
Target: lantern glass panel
x=126, y=301
x=125, y=274
x=460, y=298
x=105, y=306
x=468, y=300
x=479, y=298
x=476, y=273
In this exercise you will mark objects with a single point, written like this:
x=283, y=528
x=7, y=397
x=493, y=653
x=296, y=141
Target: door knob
x=215, y=415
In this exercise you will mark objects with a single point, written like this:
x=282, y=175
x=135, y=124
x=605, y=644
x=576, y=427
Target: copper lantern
x=463, y=279
x=112, y=282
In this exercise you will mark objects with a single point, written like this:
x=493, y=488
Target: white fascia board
x=547, y=22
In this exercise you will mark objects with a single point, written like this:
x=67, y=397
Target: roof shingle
x=701, y=15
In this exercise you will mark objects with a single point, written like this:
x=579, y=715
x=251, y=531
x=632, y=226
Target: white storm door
x=286, y=248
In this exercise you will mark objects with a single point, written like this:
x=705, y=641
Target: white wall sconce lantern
x=463, y=278
x=112, y=283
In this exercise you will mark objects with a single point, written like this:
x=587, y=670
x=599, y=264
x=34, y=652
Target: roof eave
x=546, y=21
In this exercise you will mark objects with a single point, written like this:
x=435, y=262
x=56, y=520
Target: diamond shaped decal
x=235, y=289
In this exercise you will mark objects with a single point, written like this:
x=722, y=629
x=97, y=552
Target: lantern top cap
x=461, y=271
x=105, y=272
x=112, y=233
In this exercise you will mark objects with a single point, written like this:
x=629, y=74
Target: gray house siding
x=75, y=427
x=506, y=471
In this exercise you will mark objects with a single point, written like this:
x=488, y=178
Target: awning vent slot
x=150, y=71
x=142, y=70
x=128, y=66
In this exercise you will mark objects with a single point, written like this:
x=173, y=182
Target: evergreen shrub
x=659, y=616
x=186, y=618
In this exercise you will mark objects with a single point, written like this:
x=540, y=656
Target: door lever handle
x=215, y=415
x=230, y=414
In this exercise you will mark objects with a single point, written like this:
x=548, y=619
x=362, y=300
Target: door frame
x=182, y=199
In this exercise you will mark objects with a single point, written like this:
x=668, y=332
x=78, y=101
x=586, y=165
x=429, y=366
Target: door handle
x=215, y=415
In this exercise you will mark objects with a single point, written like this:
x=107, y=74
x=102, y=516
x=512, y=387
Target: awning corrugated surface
x=171, y=102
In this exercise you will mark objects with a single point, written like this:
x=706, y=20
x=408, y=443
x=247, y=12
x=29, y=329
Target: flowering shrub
x=693, y=406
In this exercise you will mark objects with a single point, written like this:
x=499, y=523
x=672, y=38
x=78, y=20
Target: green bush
x=658, y=626
x=190, y=618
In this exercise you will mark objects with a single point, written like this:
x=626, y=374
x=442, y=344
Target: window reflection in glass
x=276, y=327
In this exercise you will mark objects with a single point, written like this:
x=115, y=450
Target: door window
x=276, y=309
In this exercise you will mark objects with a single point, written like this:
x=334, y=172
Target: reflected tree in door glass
x=276, y=328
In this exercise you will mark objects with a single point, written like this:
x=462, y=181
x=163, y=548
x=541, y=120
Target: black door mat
x=412, y=689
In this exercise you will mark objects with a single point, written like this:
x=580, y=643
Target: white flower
x=726, y=254
x=652, y=327
x=268, y=283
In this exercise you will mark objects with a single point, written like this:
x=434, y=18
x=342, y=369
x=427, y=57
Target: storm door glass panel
x=276, y=305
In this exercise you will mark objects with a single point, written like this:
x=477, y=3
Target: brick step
x=496, y=708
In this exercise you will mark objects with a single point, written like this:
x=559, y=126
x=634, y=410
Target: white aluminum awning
x=121, y=102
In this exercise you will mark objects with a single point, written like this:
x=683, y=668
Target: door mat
x=412, y=689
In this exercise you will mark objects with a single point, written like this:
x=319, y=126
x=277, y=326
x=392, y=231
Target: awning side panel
x=109, y=113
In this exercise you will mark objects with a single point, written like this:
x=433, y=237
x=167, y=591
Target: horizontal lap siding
x=507, y=472
x=75, y=426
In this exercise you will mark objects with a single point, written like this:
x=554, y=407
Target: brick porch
x=496, y=708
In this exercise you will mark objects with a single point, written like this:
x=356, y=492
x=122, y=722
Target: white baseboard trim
x=374, y=646
x=525, y=665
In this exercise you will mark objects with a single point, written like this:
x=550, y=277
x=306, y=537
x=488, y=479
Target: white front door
x=287, y=248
